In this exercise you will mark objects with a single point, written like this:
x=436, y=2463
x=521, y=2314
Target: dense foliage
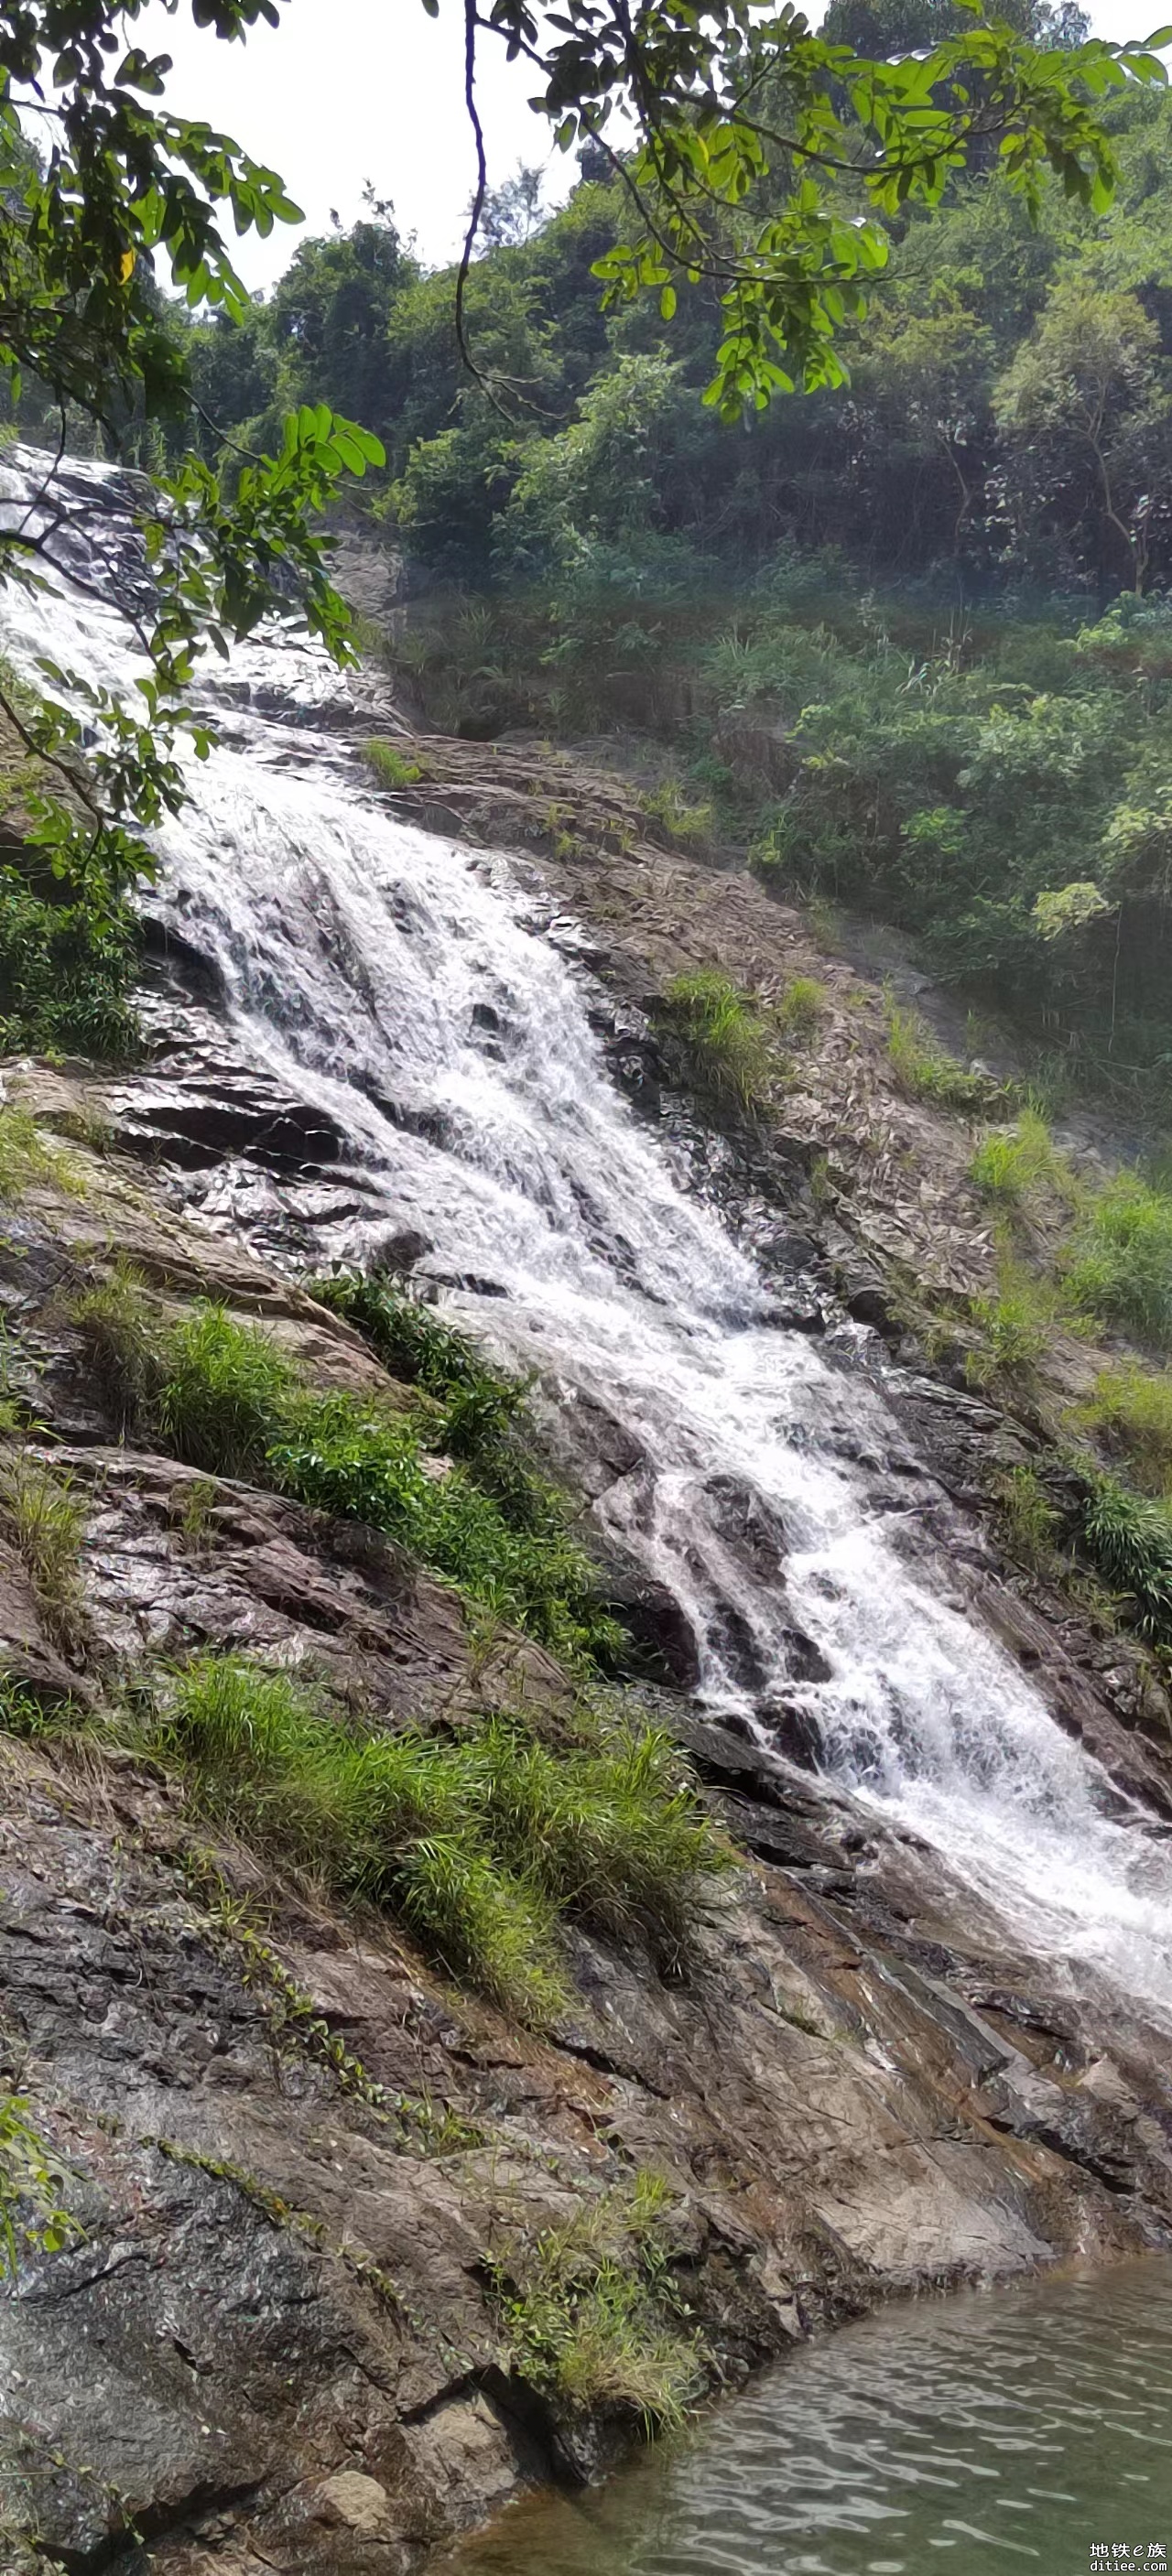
x=910, y=637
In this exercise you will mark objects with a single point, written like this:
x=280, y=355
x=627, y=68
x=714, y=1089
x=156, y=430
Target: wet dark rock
x=401, y=1250
x=805, y=1661
x=663, y=1636
x=866, y=1295
x=793, y=1730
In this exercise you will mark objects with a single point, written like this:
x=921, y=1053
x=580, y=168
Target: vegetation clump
x=802, y=1006
x=222, y=1397
x=1011, y=1164
x=391, y=767
x=923, y=1071
x=45, y=1521
x=1120, y=1269
x=483, y=1843
x=591, y=2313
x=1131, y=1409
x=1129, y=1541
x=725, y=1041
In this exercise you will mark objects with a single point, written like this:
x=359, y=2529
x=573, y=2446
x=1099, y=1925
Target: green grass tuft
x=26, y=1156
x=1015, y=1323
x=390, y=767
x=483, y=1844
x=222, y=1396
x=724, y=1039
x=1121, y=1267
x=1129, y=1541
x=924, y=1072
x=1029, y=1521
x=591, y=2315
x=803, y=1004
x=45, y=1521
x=1130, y=1408
x=225, y=1392
x=1013, y=1162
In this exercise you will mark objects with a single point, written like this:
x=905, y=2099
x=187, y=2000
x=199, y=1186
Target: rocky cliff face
x=299, y=2157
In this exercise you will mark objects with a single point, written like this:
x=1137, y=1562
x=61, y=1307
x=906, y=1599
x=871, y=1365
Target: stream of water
x=397, y=980
x=1022, y=2432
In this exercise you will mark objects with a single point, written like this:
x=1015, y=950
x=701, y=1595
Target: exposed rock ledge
x=274, y=2346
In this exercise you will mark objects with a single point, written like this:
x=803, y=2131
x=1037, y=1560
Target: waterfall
x=401, y=983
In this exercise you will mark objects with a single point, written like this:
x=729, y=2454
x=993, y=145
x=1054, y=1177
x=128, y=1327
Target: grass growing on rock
x=590, y=2314
x=923, y=1071
x=1130, y=1408
x=1012, y=1163
x=27, y=1157
x=1129, y=1542
x=1120, y=1269
x=802, y=1006
x=222, y=1397
x=390, y=767
x=725, y=1041
x=483, y=1843
x=44, y=1521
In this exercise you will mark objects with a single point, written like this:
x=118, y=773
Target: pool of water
x=1027, y=2429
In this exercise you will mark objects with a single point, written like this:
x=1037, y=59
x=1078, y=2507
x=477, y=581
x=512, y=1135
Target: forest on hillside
x=908, y=642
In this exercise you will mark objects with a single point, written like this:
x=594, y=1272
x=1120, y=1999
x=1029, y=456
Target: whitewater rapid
x=397, y=980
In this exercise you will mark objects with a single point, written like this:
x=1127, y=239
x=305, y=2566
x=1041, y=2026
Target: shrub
x=1121, y=1269
x=1129, y=1540
x=1132, y=1409
x=924, y=1072
x=1014, y=1161
x=725, y=1040
x=65, y=973
x=801, y=1007
x=45, y=1522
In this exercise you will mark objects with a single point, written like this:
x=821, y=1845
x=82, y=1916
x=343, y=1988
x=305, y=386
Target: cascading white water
x=396, y=980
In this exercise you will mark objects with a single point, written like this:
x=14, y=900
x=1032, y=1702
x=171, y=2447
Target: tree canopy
x=752, y=159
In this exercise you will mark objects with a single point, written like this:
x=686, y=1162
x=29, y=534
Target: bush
x=1121, y=1268
x=722, y=1036
x=1131, y=1408
x=65, y=973
x=483, y=1843
x=1129, y=1541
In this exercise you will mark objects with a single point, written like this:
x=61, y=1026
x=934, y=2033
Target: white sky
x=350, y=90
